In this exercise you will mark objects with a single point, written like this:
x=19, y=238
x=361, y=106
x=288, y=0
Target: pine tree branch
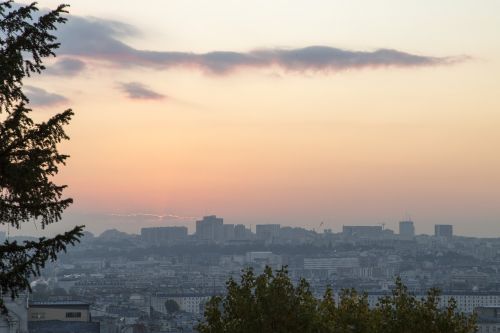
x=19, y=263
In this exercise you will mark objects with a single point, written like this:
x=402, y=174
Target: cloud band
x=99, y=39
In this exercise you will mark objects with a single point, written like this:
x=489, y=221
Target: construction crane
x=319, y=227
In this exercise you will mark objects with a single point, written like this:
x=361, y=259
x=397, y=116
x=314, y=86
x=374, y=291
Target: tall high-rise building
x=228, y=230
x=267, y=232
x=406, y=229
x=443, y=230
x=210, y=228
x=241, y=232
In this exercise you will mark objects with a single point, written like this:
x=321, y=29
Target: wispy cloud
x=66, y=67
x=148, y=216
x=102, y=40
x=42, y=98
x=136, y=90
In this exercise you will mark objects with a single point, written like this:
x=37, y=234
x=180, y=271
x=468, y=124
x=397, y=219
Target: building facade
x=466, y=302
x=406, y=229
x=331, y=264
x=63, y=310
x=443, y=231
x=362, y=231
x=191, y=303
x=488, y=319
x=210, y=228
x=267, y=232
x=61, y=317
x=164, y=235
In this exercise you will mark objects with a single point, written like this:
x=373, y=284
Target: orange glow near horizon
x=265, y=144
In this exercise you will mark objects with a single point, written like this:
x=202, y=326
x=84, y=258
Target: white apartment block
x=466, y=302
x=192, y=303
x=330, y=264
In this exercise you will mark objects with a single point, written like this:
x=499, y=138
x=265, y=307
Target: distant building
x=488, y=319
x=60, y=317
x=297, y=235
x=242, y=233
x=362, y=231
x=267, y=232
x=255, y=256
x=406, y=229
x=164, y=235
x=228, y=230
x=59, y=310
x=210, y=228
x=444, y=231
x=466, y=302
x=188, y=302
x=330, y=264
x=264, y=258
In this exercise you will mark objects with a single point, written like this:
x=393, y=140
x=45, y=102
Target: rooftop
x=57, y=303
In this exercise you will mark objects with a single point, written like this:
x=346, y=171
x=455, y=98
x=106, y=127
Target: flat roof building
x=164, y=235
x=210, y=228
x=406, y=229
x=60, y=317
x=362, y=231
x=59, y=310
x=443, y=231
x=267, y=232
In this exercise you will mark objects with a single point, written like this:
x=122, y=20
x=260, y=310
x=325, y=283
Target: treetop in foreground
x=29, y=158
x=271, y=303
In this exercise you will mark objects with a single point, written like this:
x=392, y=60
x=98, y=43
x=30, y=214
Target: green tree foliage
x=28, y=151
x=271, y=303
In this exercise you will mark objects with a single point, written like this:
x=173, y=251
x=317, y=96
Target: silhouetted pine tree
x=28, y=151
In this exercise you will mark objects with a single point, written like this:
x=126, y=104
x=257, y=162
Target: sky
x=290, y=112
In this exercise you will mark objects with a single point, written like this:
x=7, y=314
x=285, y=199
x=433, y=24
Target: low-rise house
x=60, y=317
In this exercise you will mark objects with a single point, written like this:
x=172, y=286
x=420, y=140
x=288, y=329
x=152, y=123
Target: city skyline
x=291, y=113
x=192, y=228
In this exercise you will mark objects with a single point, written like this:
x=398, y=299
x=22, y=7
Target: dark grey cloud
x=102, y=40
x=95, y=38
x=66, y=67
x=136, y=90
x=42, y=98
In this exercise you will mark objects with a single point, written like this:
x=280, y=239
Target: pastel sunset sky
x=291, y=112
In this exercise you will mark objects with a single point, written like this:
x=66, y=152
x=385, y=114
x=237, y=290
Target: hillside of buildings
x=126, y=279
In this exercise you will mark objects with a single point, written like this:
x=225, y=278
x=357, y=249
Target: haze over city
x=296, y=113
x=249, y=166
